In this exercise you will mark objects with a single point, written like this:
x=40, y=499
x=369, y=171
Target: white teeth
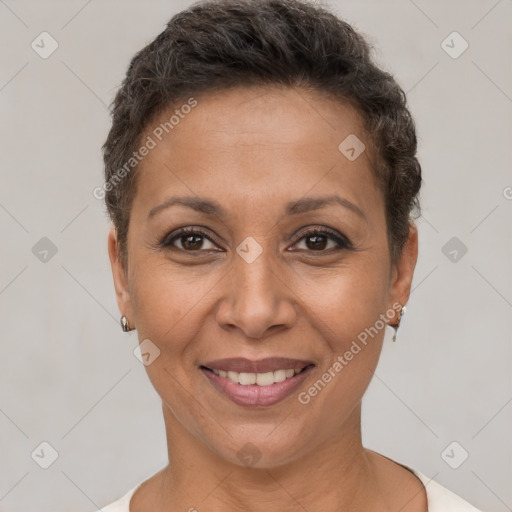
x=261, y=379
x=264, y=379
x=279, y=375
x=233, y=376
x=247, y=378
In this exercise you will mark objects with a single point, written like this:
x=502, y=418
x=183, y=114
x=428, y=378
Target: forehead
x=267, y=115
x=257, y=142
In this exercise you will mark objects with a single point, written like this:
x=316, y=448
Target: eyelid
x=339, y=238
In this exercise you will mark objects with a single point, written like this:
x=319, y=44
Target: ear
x=403, y=270
x=119, y=273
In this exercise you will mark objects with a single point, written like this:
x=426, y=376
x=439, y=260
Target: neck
x=335, y=476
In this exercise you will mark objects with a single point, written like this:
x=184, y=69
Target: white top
x=439, y=499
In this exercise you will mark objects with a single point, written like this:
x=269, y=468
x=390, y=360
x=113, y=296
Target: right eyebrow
x=206, y=206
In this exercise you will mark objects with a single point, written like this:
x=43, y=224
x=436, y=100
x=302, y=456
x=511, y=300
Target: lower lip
x=254, y=395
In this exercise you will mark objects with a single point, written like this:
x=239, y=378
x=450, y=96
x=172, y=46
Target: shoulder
x=436, y=497
x=441, y=499
x=135, y=498
x=122, y=504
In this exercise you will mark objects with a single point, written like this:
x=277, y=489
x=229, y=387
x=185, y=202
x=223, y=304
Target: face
x=285, y=255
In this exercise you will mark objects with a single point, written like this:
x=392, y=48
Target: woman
x=261, y=174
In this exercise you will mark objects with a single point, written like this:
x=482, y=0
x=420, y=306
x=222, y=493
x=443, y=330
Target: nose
x=257, y=298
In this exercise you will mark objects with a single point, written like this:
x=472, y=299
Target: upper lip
x=271, y=364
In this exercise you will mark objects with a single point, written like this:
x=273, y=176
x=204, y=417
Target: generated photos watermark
x=150, y=143
x=355, y=348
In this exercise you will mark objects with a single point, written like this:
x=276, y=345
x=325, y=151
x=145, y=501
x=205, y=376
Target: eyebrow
x=212, y=208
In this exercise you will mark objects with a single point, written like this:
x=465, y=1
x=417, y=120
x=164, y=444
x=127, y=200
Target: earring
x=395, y=327
x=125, y=325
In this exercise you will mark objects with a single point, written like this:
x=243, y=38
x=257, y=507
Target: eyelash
x=343, y=243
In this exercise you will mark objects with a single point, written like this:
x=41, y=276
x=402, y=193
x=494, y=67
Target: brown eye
x=191, y=240
x=318, y=241
x=315, y=242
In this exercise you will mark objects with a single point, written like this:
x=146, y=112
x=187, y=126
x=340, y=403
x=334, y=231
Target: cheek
x=347, y=323
x=166, y=300
x=346, y=300
x=346, y=311
x=167, y=305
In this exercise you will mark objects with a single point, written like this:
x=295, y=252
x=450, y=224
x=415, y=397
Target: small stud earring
x=395, y=327
x=125, y=325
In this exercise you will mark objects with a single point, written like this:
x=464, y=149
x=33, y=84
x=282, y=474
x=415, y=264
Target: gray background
x=68, y=373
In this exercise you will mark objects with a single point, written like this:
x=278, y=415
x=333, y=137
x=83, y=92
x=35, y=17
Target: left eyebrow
x=315, y=203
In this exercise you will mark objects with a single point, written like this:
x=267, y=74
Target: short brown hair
x=219, y=44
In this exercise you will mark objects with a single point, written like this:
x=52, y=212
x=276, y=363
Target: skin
x=253, y=150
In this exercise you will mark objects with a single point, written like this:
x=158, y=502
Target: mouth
x=281, y=378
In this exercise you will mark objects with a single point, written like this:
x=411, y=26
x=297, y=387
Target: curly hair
x=220, y=44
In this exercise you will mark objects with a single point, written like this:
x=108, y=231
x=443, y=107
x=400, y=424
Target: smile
x=257, y=388
x=260, y=379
